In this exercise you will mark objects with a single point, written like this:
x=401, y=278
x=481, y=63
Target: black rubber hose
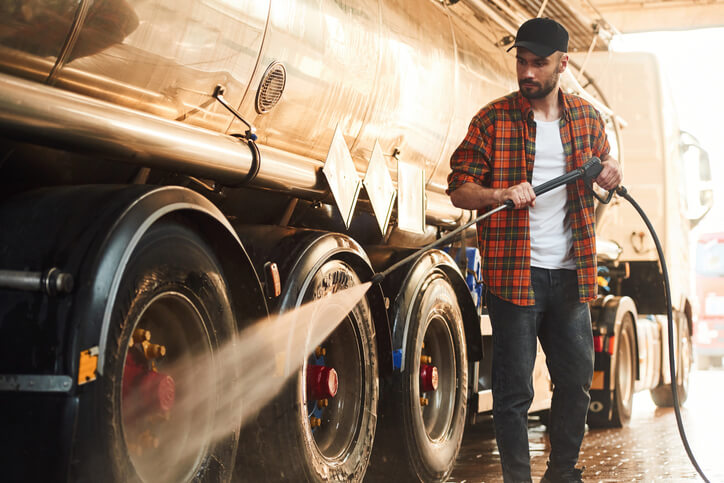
x=621, y=191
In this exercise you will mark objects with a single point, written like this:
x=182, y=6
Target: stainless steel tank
x=408, y=74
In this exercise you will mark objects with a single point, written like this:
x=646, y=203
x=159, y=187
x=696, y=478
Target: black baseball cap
x=542, y=36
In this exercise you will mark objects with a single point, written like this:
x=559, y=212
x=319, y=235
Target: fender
x=299, y=253
x=606, y=316
x=406, y=284
x=126, y=231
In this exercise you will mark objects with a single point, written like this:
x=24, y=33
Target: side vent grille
x=271, y=87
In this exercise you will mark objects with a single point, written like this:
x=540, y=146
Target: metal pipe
x=44, y=115
x=51, y=281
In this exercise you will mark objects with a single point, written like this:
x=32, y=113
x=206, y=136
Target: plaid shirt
x=497, y=152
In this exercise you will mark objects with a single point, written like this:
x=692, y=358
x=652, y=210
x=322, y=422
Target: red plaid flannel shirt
x=497, y=152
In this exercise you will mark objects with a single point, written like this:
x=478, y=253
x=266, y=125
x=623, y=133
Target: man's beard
x=539, y=91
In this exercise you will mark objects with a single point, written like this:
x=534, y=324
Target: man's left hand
x=610, y=176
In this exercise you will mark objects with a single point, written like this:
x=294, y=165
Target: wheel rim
x=335, y=421
x=437, y=407
x=625, y=368
x=163, y=440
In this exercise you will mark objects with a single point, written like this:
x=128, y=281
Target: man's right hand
x=521, y=194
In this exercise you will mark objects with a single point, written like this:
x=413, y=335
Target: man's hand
x=521, y=194
x=610, y=176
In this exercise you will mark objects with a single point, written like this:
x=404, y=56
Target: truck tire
x=172, y=287
x=421, y=430
x=300, y=438
x=624, y=380
x=661, y=395
x=625, y=376
x=625, y=373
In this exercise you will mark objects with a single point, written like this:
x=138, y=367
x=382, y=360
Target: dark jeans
x=563, y=325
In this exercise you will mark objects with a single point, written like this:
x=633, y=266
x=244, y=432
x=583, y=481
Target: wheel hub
x=428, y=377
x=322, y=382
x=150, y=394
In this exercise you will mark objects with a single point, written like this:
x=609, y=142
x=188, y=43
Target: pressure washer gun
x=588, y=172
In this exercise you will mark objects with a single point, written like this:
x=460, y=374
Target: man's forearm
x=471, y=196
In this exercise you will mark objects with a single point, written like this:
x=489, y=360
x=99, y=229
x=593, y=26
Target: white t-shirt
x=551, y=240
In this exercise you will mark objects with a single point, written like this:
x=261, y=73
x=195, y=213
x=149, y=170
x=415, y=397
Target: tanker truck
x=175, y=173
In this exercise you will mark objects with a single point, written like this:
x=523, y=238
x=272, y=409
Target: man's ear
x=563, y=63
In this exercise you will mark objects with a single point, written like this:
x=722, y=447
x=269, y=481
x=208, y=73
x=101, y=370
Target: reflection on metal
x=380, y=189
x=411, y=197
x=70, y=40
x=342, y=176
x=30, y=111
x=368, y=66
x=271, y=87
x=44, y=115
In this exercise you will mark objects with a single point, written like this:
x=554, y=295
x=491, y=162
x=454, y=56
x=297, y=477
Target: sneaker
x=553, y=475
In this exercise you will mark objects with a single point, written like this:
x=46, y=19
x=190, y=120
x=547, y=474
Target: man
x=539, y=262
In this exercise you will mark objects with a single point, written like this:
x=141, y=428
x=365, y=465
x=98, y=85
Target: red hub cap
x=159, y=391
x=322, y=382
x=155, y=391
x=428, y=377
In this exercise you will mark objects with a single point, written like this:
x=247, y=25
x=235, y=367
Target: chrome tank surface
x=161, y=57
x=400, y=72
x=406, y=73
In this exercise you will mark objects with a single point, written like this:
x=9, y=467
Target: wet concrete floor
x=649, y=449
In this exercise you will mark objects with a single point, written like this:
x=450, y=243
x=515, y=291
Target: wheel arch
x=407, y=283
x=126, y=231
x=299, y=253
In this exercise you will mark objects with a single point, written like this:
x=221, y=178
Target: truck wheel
x=624, y=381
x=312, y=432
x=424, y=414
x=625, y=374
x=172, y=313
x=662, y=395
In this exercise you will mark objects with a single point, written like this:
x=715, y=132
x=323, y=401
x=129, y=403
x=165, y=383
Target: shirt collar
x=526, y=109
